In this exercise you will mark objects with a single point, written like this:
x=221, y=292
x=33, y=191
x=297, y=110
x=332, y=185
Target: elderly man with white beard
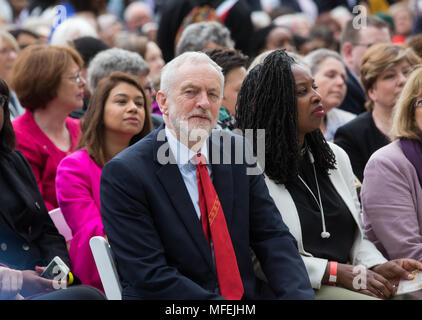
x=180, y=221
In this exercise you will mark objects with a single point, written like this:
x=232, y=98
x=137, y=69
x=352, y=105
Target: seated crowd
x=223, y=149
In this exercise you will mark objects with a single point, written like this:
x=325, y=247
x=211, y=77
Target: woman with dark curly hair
x=312, y=183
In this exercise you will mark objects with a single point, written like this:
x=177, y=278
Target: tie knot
x=199, y=159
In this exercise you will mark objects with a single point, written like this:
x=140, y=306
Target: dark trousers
x=79, y=292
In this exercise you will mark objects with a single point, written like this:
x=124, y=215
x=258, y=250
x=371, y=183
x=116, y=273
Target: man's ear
x=161, y=99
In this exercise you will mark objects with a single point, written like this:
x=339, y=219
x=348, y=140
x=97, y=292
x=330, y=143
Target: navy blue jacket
x=360, y=138
x=355, y=98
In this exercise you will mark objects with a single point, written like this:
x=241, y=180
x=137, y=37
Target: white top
x=336, y=118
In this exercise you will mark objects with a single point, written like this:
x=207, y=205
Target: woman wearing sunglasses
x=391, y=191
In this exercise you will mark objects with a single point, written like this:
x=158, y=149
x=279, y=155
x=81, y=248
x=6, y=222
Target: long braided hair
x=267, y=100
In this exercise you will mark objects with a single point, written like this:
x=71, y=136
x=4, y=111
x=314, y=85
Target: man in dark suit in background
x=356, y=39
x=183, y=229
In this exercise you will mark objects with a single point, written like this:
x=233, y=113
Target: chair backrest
x=58, y=219
x=104, y=260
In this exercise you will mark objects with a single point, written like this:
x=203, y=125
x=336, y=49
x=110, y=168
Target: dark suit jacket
x=291, y=4
x=355, y=99
x=156, y=236
x=36, y=240
x=360, y=138
x=328, y=5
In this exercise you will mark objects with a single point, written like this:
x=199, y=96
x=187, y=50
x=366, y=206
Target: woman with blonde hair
x=391, y=190
x=384, y=71
x=9, y=49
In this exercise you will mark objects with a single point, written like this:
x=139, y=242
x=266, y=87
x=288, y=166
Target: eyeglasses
x=77, y=77
x=3, y=100
x=417, y=103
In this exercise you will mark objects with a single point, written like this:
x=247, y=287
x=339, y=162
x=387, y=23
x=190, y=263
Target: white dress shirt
x=187, y=168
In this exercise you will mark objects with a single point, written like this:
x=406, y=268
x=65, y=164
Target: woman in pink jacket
x=117, y=116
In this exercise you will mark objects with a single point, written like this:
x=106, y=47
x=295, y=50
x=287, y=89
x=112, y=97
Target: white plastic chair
x=59, y=221
x=104, y=260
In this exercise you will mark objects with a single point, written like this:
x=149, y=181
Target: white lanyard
x=324, y=233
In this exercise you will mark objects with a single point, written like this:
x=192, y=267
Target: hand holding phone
x=34, y=284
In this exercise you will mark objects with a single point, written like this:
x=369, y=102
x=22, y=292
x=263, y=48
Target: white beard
x=190, y=135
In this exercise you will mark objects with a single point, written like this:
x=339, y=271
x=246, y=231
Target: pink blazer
x=78, y=194
x=42, y=154
x=392, y=203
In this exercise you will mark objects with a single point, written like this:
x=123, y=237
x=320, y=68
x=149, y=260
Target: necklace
x=324, y=233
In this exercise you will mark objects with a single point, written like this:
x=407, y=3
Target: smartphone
x=56, y=269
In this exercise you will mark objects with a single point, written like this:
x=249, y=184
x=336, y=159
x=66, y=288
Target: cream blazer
x=363, y=252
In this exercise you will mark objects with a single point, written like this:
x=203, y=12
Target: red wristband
x=333, y=273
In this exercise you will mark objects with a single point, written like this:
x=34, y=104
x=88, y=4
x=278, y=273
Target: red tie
x=214, y=223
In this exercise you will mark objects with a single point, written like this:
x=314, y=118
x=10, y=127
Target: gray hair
x=316, y=57
x=170, y=69
x=115, y=59
x=196, y=36
x=134, y=7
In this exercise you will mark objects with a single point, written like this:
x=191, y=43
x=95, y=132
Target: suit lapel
x=172, y=181
x=356, y=84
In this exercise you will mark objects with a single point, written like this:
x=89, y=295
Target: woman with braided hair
x=312, y=183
